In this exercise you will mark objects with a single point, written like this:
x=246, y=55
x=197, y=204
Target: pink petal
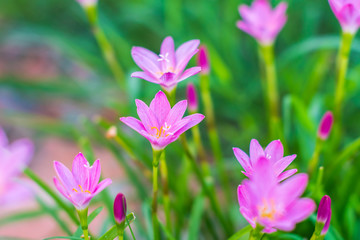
x=193, y=119
x=243, y=159
x=16, y=195
x=248, y=216
x=146, y=115
x=146, y=76
x=65, y=176
x=274, y=151
x=256, y=151
x=60, y=187
x=168, y=50
x=133, y=123
x=95, y=172
x=160, y=106
x=283, y=163
x=80, y=172
x=176, y=113
x=184, y=53
x=189, y=72
x=101, y=186
x=325, y=125
x=243, y=197
x=21, y=152
x=146, y=60
x=286, y=174
x=3, y=138
x=293, y=187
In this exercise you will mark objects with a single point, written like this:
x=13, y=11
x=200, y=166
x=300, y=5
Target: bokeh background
x=55, y=84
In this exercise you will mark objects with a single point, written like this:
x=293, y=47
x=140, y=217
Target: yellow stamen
x=75, y=190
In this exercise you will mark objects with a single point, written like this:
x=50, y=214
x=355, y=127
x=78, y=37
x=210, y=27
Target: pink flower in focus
x=81, y=184
x=325, y=125
x=203, y=60
x=273, y=205
x=192, y=97
x=261, y=21
x=87, y=3
x=167, y=68
x=161, y=124
x=348, y=14
x=324, y=213
x=274, y=152
x=13, y=159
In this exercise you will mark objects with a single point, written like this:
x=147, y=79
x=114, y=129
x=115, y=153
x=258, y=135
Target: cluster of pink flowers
x=264, y=198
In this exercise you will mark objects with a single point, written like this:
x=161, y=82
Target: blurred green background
x=53, y=78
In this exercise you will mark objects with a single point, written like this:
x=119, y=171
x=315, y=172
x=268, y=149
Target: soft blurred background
x=55, y=87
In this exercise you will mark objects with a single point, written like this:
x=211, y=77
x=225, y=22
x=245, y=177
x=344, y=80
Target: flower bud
x=203, y=60
x=324, y=213
x=111, y=132
x=120, y=208
x=325, y=125
x=192, y=97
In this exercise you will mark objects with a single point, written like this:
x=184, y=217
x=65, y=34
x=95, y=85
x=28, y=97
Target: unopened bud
x=192, y=97
x=325, y=125
x=111, y=132
x=324, y=213
x=120, y=208
x=203, y=60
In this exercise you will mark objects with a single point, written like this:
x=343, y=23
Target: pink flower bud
x=192, y=97
x=324, y=213
x=347, y=13
x=325, y=125
x=120, y=208
x=203, y=60
x=87, y=3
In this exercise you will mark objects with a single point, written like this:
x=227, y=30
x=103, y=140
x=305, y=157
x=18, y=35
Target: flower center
x=267, y=210
x=162, y=132
x=81, y=189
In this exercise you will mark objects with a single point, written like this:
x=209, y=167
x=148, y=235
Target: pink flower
x=348, y=14
x=324, y=213
x=274, y=152
x=81, y=184
x=87, y=3
x=167, y=69
x=161, y=124
x=13, y=159
x=273, y=205
x=192, y=97
x=203, y=60
x=325, y=125
x=261, y=21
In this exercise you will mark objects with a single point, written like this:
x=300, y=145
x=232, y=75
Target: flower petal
x=286, y=174
x=293, y=187
x=283, y=163
x=95, y=172
x=146, y=116
x=79, y=171
x=160, y=106
x=256, y=151
x=146, y=60
x=184, y=53
x=65, y=176
x=193, y=119
x=243, y=159
x=146, y=76
x=133, y=123
x=3, y=138
x=274, y=151
x=101, y=186
x=176, y=113
x=189, y=72
x=168, y=52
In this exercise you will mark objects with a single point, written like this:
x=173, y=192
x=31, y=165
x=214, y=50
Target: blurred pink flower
x=161, y=124
x=274, y=152
x=203, y=60
x=167, y=69
x=325, y=125
x=324, y=213
x=192, y=97
x=273, y=205
x=261, y=21
x=87, y=3
x=81, y=184
x=120, y=208
x=13, y=159
x=348, y=14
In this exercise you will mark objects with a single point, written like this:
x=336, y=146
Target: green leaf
x=91, y=217
x=21, y=216
x=240, y=233
x=196, y=217
x=112, y=232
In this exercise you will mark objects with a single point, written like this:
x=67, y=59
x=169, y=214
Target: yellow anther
x=81, y=188
x=87, y=191
x=75, y=190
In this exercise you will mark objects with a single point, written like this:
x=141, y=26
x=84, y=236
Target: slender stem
x=165, y=184
x=156, y=157
x=28, y=172
x=317, y=232
x=227, y=226
x=256, y=234
x=268, y=61
x=83, y=214
x=213, y=134
x=120, y=230
x=106, y=47
x=314, y=161
x=342, y=65
x=200, y=150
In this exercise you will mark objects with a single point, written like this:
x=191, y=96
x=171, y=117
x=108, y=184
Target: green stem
x=28, y=172
x=314, y=161
x=156, y=157
x=106, y=47
x=268, y=61
x=227, y=226
x=342, y=65
x=240, y=233
x=120, y=230
x=256, y=234
x=200, y=150
x=213, y=135
x=317, y=233
x=165, y=184
x=83, y=214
